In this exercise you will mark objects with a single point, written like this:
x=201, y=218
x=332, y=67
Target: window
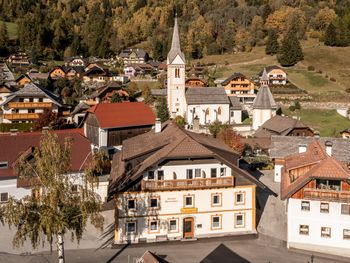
x=131, y=204
x=325, y=232
x=213, y=172
x=154, y=202
x=177, y=73
x=305, y=206
x=345, y=209
x=40, y=100
x=173, y=225
x=232, y=114
x=75, y=188
x=197, y=172
x=189, y=201
x=160, y=175
x=31, y=110
x=324, y=208
x=21, y=100
x=4, y=165
x=131, y=227
x=328, y=184
x=150, y=175
x=239, y=220
x=304, y=230
x=189, y=174
x=216, y=199
x=153, y=225
x=31, y=99
x=223, y=171
x=240, y=198
x=346, y=233
x=4, y=197
x=216, y=222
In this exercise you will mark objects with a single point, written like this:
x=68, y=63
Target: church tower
x=264, y=106
x=176, y=77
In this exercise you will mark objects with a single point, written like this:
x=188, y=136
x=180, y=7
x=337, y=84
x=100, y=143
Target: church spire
x=175, y=44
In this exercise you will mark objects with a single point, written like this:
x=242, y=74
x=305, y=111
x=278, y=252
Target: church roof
x=206, y=95
x=175, y=45
x=264, y=99
x=264, y=76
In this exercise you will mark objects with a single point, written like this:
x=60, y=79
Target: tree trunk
x=60, y=248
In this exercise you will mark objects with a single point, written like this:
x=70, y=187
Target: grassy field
x=327, y=122
x=12, y=29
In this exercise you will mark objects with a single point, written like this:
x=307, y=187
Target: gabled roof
x=279, y=125
x=206, y=95
x=149, y=257
x=124, y=114
x=318, y=165
x=22, y=76
x=33, y=90
x=110, y=86
x=235, y=103
x=172, y=142
x=264, y=99
x=232, y=77
x=269, y=69
x=175, y=49
x=12, y=146
x=81, y=107
x=95, y=70
x=140, y=53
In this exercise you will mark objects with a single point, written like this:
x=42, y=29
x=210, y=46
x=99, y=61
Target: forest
x=54, y=29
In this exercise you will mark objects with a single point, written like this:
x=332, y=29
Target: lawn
x=327, y=122
x=12, y=29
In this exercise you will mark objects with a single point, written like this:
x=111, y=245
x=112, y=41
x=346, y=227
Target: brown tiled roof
x=146, y=150
x=318, y=165
x=124, y=114
x=149, y=257
x=12, y=146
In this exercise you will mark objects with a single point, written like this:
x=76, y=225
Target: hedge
x=22, y=127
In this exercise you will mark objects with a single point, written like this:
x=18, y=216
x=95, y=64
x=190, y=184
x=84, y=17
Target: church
x=205, y=105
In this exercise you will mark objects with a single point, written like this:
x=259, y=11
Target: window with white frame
x=304, y=230
x=240, y=200
x=213, y=172
x=239, y=220
x=189, y=174
x=150, y=175
x=325, y=232
x=131, y=204
x=154, y=202
x=216, y=199
x=198, y=172
x=216, y=222
x=223, y=171
x=324, y=207
x=4, y=197
x=4, y=165
x=346, y=234
x=131, y=227
x=189, y=201
x=305, y=206
x=153, y=225
x=173, y=225
x=345, y=209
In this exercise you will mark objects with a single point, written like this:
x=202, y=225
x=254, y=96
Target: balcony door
x=188, y=227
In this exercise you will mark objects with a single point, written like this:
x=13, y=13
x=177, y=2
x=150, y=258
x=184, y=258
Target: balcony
x=21, y=116
x=29, y=105
x=161, y=185
x=327, y=195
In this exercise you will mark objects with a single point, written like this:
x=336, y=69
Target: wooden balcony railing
x=29, y=105
x=187, y=183
x=21, y=116
x=327, y=195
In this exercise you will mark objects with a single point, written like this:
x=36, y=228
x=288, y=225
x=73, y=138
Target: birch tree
x=55, y=208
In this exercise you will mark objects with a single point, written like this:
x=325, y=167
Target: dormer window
x=4, y=165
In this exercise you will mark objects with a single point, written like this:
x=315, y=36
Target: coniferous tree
x=330, y=38
x=272, y=45
x=290, y=52
x=162, y=110
x=4, y=39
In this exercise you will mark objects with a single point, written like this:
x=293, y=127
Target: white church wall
x=213, y=109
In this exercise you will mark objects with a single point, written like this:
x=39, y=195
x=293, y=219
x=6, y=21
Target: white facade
x=260, y=116
x=10, y=186
x=278, y=173
x=176, y=87
x=277, y=77
x=305, y=226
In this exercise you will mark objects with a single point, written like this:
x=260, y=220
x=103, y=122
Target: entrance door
x=188, y=227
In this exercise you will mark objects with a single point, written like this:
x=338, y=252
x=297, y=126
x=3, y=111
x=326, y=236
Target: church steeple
x=175, y=45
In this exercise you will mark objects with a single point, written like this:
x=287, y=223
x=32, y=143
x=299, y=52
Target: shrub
x=332, y=79
x=319, y=71
x=347, y=90
x=292, y=108
x=22, y=127
x=311, y=68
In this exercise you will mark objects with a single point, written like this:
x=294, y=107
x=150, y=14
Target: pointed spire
x=264, y=76
x=264, y=99
x=175, y=44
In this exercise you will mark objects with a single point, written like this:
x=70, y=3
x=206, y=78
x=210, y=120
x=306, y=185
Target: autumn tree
x=290, y=52
x=162, y=109
x=216, y=127
x=51, y=120
x=231, y=138
x=56, y=209
x=272, y=45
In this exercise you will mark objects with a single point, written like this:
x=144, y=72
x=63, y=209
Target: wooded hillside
x=59, y=28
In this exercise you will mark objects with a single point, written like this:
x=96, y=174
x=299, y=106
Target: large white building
x=171, y=184
x=316, y=188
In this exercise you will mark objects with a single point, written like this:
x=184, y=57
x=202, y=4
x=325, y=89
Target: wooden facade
x=118, y=135
x=92, y=129
x=301, y=132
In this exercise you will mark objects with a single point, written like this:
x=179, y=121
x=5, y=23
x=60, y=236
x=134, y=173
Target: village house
x=95, y=74
x=75, y=62
x=345, y=134
x=276, y=75
x=104, y=94
x=57, y=72
x=28, y=103
x=172, y=184
x=109, y=124
x=315, y=186
x=14, y=145
x=238, y=84
x=6, y=75
x=195, y=82
x=134, y=56
x=19, y=59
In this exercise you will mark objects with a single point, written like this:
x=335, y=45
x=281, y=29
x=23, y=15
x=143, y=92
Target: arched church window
x=219, y=111
x=177, y=73
x=207, y=111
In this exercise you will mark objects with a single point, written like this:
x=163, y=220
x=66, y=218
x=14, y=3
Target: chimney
x=13, y=131
x=158, y=126
x=329, y=145
x=302, y=148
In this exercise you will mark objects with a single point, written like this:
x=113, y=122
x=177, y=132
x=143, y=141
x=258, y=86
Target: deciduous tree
x=231, y=138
